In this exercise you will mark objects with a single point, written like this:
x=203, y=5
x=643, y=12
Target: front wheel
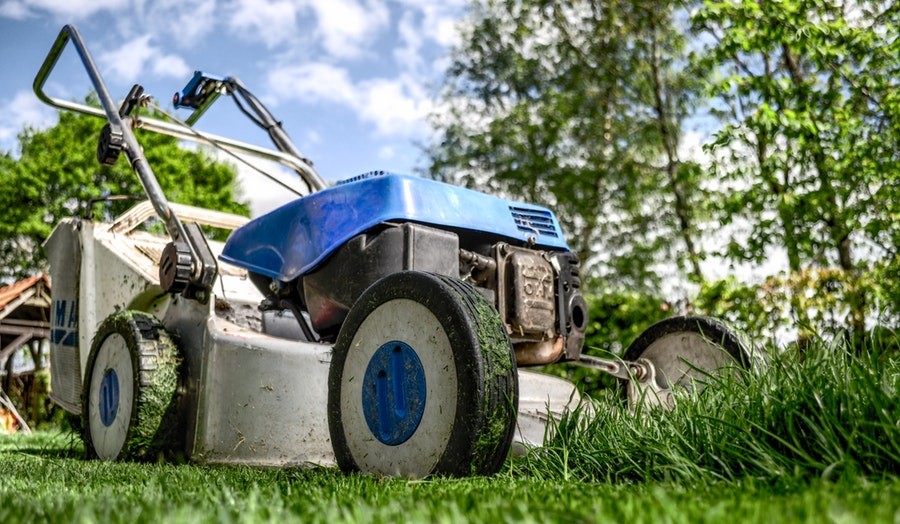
x=130, y=396
x=422, y=381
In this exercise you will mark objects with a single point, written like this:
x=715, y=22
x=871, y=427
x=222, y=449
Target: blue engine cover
x=293, y=239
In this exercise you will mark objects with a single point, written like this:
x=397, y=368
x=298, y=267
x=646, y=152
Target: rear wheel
x=422, y=381
x=687, y=350
x=130, y=396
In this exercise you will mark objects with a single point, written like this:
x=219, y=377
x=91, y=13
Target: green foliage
x=886, y=274
x=582, y=106
x=56, y=175
x=759, y=311
x=766, y=310
x=578, y=106
x=29, y=392
x=809, y=144
x=618, y=317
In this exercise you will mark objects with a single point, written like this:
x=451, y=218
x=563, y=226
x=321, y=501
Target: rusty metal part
x=482, y=269
x=572, y=310
x=539, y=353
x=537, y=294
x=477, y=261
x=527, y=296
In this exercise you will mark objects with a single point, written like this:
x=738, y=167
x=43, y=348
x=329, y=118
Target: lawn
x=812, y=442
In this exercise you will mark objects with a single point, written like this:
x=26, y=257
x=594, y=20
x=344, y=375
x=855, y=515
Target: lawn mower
x=381, y=323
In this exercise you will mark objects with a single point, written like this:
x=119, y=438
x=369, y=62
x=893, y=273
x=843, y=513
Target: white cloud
x=423, y=28
x=14, y=10
x=263, y=193
x=273, y=22
x=203, y=19
x=313, y=82
x=408, y=55
x=134, y=57
x=345, y=27
x=182, y=23
x=439, y=18
x=24, y=109
x=441, y=23
x=64, y=9
x=396, y=107
x=128, y=60
x=446, y=32
x=313, y=138
x=345, y=30
x=171, y=66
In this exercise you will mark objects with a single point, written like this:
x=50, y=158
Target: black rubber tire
x=717, y=335
x=486, y=380
x=152, y=426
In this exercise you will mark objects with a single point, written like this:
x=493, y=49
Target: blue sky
x=351, y=80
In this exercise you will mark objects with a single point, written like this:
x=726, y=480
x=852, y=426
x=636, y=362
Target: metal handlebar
x=117, y=122
x=193, y=276
x=294, y=162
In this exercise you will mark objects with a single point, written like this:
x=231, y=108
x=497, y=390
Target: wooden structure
x=24, y=325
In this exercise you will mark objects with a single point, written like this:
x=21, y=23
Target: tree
x=810, y=143
x=579, y=106
x=57, y=175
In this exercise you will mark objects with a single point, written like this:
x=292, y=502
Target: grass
x=816, y=441
x=826, y=416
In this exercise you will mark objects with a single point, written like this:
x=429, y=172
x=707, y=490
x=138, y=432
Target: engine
x=537, y=292
x=315, y=256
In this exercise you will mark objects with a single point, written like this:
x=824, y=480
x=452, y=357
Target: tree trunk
x=838, y=229
x=669, y=137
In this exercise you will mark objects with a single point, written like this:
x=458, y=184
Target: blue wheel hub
x=109, y=397
x=393, y=393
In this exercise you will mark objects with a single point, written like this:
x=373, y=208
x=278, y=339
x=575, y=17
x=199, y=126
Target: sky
x=351, y=80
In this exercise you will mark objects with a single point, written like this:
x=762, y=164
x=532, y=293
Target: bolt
x=640, y=372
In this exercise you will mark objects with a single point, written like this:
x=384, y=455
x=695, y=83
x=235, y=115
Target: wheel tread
x=498, y=408
x=484, y=421
x=154, y=426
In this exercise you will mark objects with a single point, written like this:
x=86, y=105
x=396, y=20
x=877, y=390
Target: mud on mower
x=381, y=323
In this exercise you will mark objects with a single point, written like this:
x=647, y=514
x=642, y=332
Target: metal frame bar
x=133, y=150
x=203, y=268
x=292, y=161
